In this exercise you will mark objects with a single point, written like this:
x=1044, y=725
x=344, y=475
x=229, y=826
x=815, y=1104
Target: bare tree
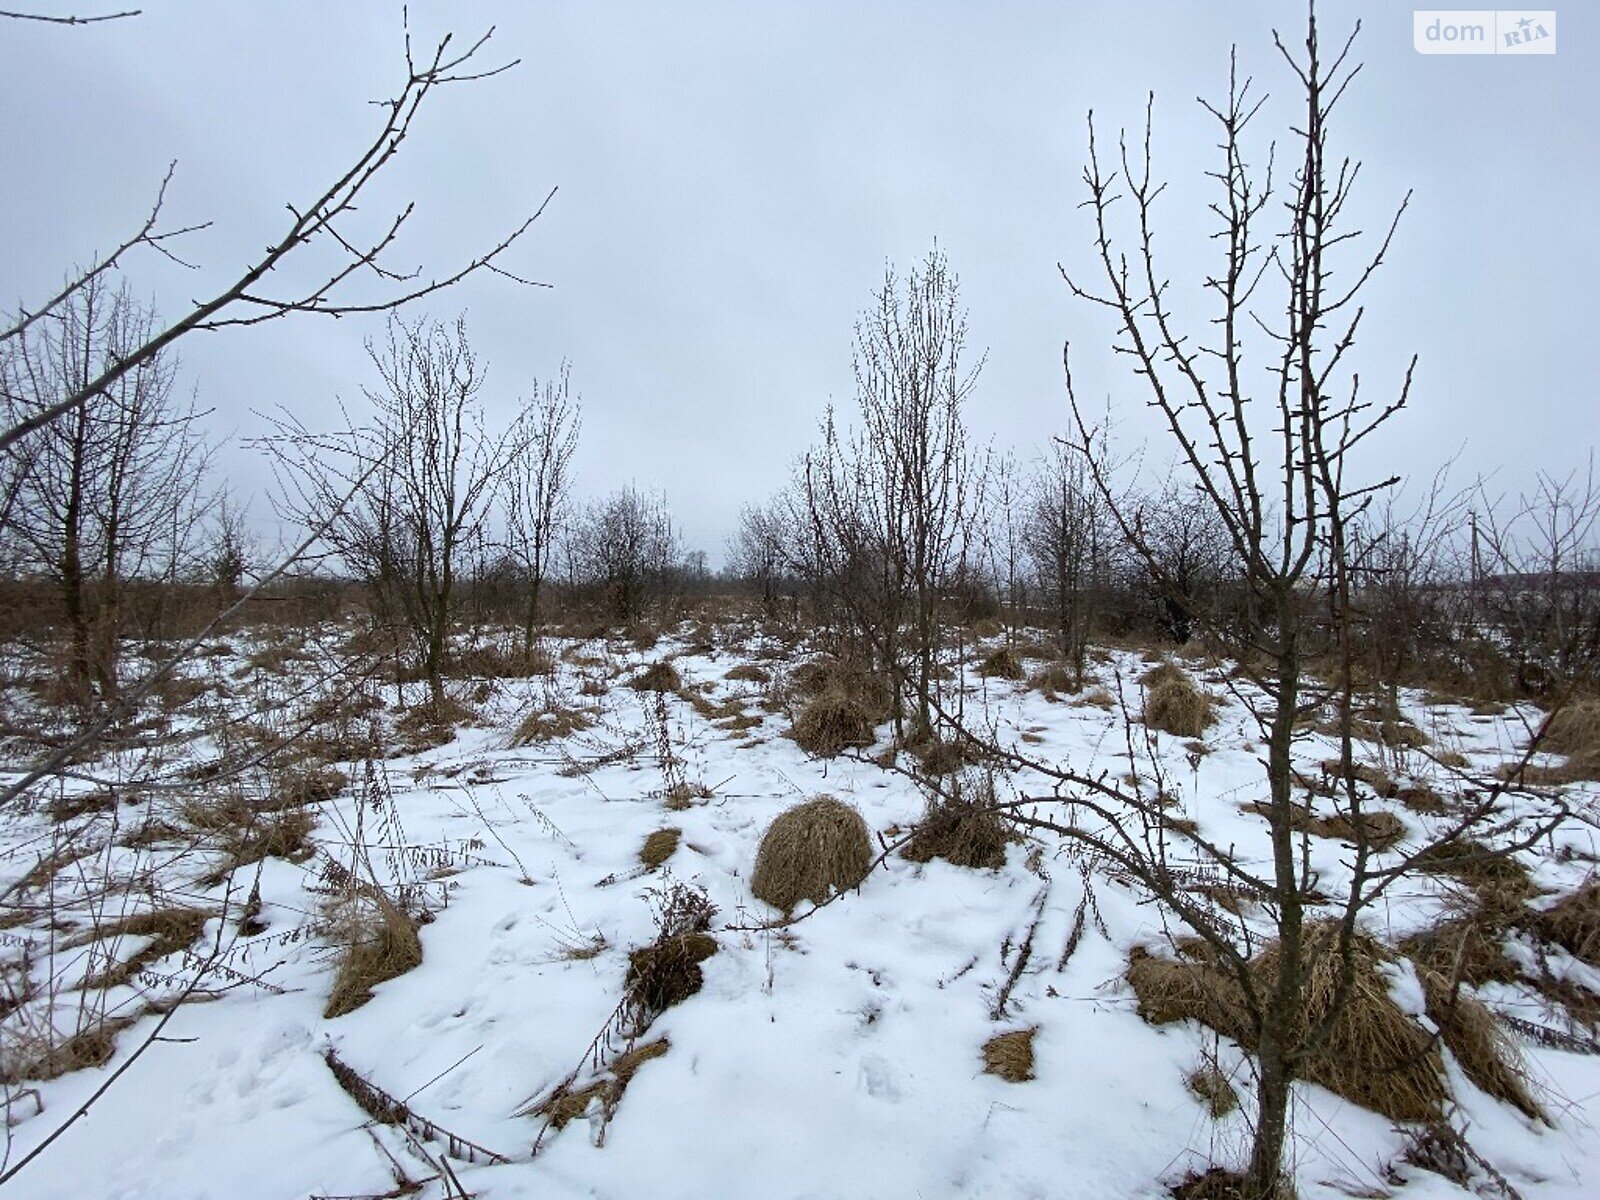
x=109, y=492
x=626, y=548
x=1285, y=486
x=1067, y=532
x=539, y=485
x=891, y=504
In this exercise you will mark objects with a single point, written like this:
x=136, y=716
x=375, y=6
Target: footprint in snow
x=876, y=1078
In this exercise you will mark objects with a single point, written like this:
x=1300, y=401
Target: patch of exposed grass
x=809, y=852
x=1374, y=1054
x=380, y=943
x=657, y=677
x=659, y=846
x=1211, y=1087
x=962, y=829
x=1176, y=706
x=1010, y=1055
x=749, y=673
x=1003, y=663
x=549, y=725
x=831, y=723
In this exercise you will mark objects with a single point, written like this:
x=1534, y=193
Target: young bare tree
x=1271, y=451
x=1067, y=533
x=625, y=547
x=892, y=503
x=539, y=486
x=109, y=492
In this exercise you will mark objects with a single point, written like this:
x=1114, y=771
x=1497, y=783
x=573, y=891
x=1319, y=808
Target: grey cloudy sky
x=734, y=178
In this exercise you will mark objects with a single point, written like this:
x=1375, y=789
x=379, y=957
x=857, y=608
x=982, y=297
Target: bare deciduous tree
x=539, y=485
x=892, y=504
x=108, y=492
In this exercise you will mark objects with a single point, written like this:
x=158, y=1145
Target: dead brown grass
x=1211, y=1087
x=1573, y=923
x=549, y=725
x=1485, y=1053
x=1176, y=706
x=659, y=846
x=809, y=852
x=657, y=677
x=1053, y=679
x=1010, y=1055
x=170, y=930
x=749, y=673
x=831, y=723
x=1003, y=663
x=568, y=1103
x=1381, y=830
x=380, y=943
x=667, y=971
x=962, y=828
x=1374, y=1055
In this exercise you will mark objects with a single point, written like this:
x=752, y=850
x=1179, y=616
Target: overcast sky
x=734, y=178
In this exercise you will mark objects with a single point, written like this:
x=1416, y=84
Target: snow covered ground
x=837, y=1057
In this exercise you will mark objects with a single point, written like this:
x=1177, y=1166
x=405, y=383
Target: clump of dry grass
x=550, y=724
x=1486, y=1055
x=1488, y=871
x=1054, y=678
x=659, y=846
x=1573, y=923
x=962, y=828
x=1003, y=663
x=1374, y=1054
x=942, y=756
x=308, y=785
x=683, y=794
x=380, y=943
x=245, y=833
x=1175, y=705
x=810, y=851
x=89, y=1047
x=1010, y=1055
x=1097, y=698
x=1574, y=731
x=568, y=1103
x=831, y=723
x=667, y=971
x=657, y=677
x=1163, y=672
x=1211, y=1087
x=1379, y=829
x=170, y=930
x=749, y=673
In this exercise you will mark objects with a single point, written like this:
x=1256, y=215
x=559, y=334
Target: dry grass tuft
x=811, y=851
x=1010, y=1055
x=962, y=829
x=658, y=677
x=659, y=846
x=1380, y=830
x=1174, y=705
x=1097, y=698
x=832, y=723
x=92, y=1046
x=1053, y=679
x=1573, y=923
x=1003, y=663
x=567, y=1103
x=749, y=673
x=1374, y=1055
x=1490, y=872
x=1211, y=1088
x=667, y=971
x=380, y=943
x=1163, y=672
x=170, y=930
x=1485, y=1053
x=549, y=725
x=246, y=834
x=943, y=756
